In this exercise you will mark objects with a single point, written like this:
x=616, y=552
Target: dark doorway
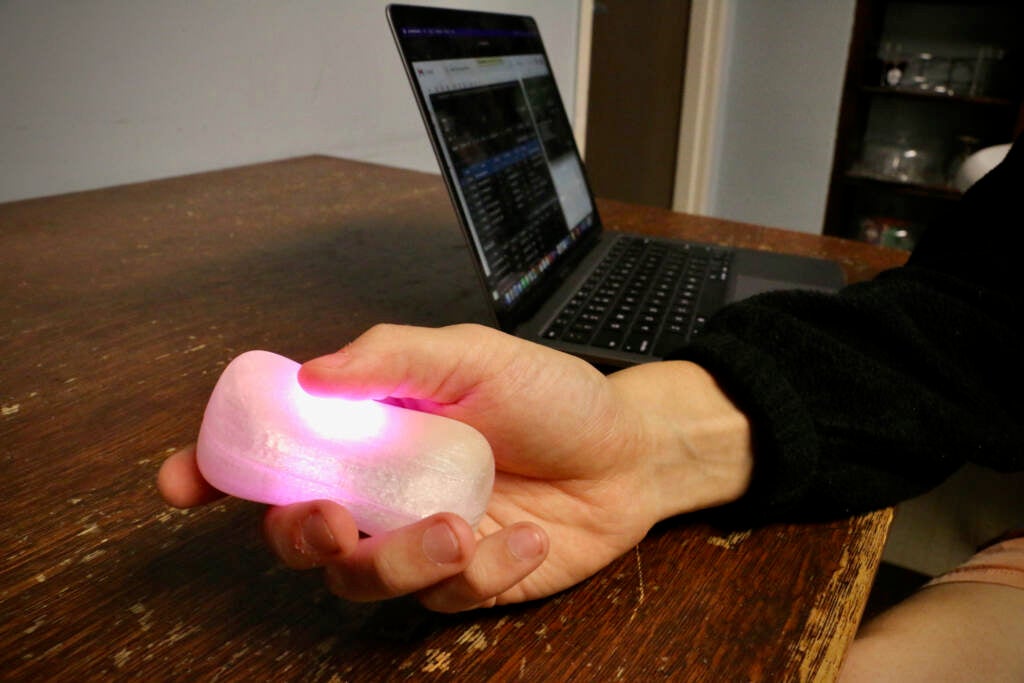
x=637, y=64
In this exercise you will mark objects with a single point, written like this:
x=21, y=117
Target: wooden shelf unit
x=938, y=124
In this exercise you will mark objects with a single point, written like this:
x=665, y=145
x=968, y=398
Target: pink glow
x=265, y=439
x=334, y=418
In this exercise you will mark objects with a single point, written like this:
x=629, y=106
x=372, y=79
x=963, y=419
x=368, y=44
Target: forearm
x=874, y=395
x=864, y=399
x=692, y=441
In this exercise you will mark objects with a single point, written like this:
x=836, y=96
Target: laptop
x=551, y=272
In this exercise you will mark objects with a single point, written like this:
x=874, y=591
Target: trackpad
x=749, y=285
x=756, y=272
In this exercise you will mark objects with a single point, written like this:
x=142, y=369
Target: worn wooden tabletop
x=121, y=306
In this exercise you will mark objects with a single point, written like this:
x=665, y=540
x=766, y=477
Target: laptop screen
x=503, y=139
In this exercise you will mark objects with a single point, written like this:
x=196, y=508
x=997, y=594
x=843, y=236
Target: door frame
x=702, y=90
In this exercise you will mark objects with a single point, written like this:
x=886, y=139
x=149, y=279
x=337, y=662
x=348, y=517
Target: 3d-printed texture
x=263, y=438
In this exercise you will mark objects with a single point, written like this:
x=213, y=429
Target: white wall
x=783, y=76
x=101, y=92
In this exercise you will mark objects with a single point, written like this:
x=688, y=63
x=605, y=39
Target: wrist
x=693, y=445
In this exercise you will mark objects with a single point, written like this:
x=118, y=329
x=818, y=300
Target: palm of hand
x=584, y=522
x=560, y=464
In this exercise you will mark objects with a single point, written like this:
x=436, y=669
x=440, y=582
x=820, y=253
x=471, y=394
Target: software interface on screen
x=505, y=138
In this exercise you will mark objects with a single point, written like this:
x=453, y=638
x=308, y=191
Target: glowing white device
x=263, y=438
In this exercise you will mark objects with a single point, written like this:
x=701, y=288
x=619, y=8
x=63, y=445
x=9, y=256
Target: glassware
x=928, y=71
x=894, y=64
x=988, y=56
x=961, y=76
x=898, y=160
x=886, y=231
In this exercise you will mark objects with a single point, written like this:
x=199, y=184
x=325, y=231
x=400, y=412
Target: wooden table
x=121, y=306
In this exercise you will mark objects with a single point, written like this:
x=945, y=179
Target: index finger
x=440, y=365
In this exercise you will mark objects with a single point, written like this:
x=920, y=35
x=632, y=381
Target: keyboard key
x=642, y=298
x=608, y=339
x=578, y=334
x=638, y=343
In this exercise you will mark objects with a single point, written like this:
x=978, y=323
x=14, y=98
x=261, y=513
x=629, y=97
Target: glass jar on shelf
x=886, y=231
x=893, y=63
x=899, y=159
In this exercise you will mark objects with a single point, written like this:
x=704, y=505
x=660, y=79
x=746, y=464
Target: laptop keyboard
x=645, y=297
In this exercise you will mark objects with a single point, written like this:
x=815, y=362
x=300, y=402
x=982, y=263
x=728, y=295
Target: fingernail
x=315, y=375
x=441, y=545
x=317, y=537
x=332, y=360
x=525, y=543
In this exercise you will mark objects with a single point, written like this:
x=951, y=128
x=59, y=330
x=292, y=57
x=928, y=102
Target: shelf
x=874, y=115
x=927, y=95
x=939, y=192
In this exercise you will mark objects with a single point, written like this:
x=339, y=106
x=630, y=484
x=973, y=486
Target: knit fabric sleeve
x=864, y=398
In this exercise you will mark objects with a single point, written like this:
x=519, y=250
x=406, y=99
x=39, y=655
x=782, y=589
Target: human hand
x=585, y=465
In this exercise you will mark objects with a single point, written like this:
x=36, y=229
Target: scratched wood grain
x=121, y=306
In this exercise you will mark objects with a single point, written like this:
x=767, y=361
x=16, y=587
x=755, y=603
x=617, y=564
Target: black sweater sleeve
x=864, y=398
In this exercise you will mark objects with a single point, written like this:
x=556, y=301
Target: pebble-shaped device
x=264, y=438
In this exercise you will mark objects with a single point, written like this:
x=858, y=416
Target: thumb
x=394, y=361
